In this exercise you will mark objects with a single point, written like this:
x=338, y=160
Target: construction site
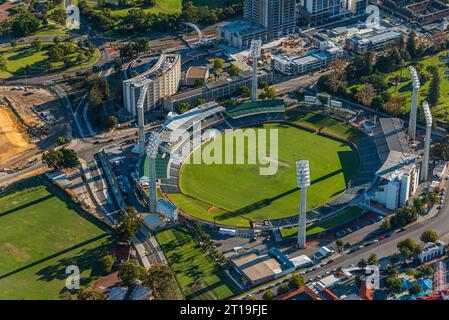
x=31, y=119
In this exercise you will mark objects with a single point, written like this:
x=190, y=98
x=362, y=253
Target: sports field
x=236, y=193
x=198, y=277
x=40, y=235
x=346, y=216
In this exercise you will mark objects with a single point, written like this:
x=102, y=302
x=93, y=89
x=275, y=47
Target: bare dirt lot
x=31, y=119
x=13, y=136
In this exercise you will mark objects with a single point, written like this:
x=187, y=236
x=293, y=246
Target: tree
x=3, y=63
x=36, y=45
x=339, y=243
x=429, y=236
x=411, y=46
x=111, y=121
x=160, y=278
x=24, y=23
x=385, y=225
x=268, y=295
x=362, y=263
x=393, y=284
x=408, y=248
x=129, y=225
x=218, y=63
x=244, y=91
x=394, y=105
x=373, y=260
x=434, y=93
x=183, y=107
x=130, y=271
x=107, y=262
x=270, y=93
x=60, y=159
x=235, y=70
x=90, y=294
x=395, y=258
x=366, y=94
x=283, y=289
x=296, y=281
x=415, y=288
x=426, y=270
x=61, y=140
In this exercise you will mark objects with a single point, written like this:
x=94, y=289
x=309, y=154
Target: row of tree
x=138, y=21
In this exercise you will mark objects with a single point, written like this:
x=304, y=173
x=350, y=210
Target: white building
x=374, y=40
x=314, y=60
x=316, y=12
x=162, y=80
x=398, y=177
x=167, y=209
x=431, y=251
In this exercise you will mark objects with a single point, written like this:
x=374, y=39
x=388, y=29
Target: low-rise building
x=257, y=268
x=196, y=76
x=312, y=61
x=431, y=251
x=375, y=40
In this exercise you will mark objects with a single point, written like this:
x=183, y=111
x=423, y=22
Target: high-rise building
x=161, y=80
x=277, y=16
x=263, y=19
x=316, y=12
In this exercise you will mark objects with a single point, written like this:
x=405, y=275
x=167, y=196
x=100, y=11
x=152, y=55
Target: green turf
x=240, y=190
x=345, y=216
x=23, y=55
x=198, y=277
x=40, y=235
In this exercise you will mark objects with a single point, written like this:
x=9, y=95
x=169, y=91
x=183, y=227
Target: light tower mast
x=152, y=150
x=428, y=139
x=141, y=120
x=256, y=47
x=302, y=181
x=414, y=108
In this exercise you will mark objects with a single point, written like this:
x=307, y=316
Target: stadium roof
x=254, y=107
x=392, y=146
x=186, y=120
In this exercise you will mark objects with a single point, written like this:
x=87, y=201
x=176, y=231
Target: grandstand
x=214, y=116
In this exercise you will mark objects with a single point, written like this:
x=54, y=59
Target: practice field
x=40, y=235
x=198, y=277
x=346, y=216
x=13, y=136
x=234, y=194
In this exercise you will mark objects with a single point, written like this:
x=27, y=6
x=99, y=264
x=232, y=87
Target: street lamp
x=302, y=181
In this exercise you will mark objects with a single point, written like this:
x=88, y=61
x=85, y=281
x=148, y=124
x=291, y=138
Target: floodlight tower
x=141, y=120
x=425, y=163
x=414, y=108
x=302, y=181
x=256, y=47
x=152, y=150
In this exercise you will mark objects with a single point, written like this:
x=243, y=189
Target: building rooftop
x=197, y=72
x=393, y=147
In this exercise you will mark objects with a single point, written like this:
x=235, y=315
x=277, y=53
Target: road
x=386, y=247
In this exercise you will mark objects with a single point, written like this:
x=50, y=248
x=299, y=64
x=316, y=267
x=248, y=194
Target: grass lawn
x=240, y=190
x=345, y=216
x=163, y=6
x=40, y=235
x=404, y=89
x=23, y=55
x=198, y=277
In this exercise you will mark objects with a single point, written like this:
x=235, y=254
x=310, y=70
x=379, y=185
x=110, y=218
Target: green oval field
x=236, y=193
